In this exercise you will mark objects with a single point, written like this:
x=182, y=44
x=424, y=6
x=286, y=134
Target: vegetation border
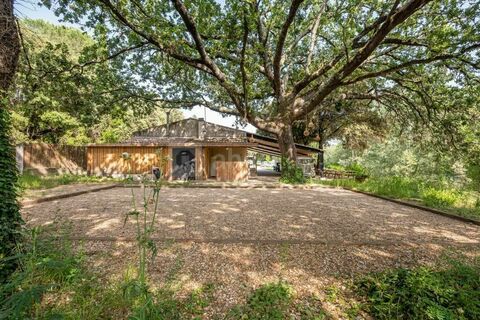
x=413, y=205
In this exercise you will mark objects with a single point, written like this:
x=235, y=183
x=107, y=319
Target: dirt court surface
x=239, y=239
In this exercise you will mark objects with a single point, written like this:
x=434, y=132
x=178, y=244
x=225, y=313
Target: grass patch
x=451, y=292
x=29, y=181
x=270, y=301
x=461, y=202
x=276, y=301
x=54, y=282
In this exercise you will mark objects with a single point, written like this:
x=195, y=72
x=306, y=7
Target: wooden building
x=186, y=149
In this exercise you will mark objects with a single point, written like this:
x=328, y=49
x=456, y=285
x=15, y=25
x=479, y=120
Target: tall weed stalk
x=144, y=224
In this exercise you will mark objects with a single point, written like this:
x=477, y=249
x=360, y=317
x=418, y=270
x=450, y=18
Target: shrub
x=357, y=168
x=439, y=198
x=43, y=267
x=335, y=166
x=424, y=293
x=51, y=268
x=291, y=173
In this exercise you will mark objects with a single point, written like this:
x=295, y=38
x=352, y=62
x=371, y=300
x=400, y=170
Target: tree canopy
x=272, y=63
x=67, y=93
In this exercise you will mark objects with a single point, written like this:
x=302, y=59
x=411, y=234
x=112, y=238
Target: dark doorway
x=183, y=163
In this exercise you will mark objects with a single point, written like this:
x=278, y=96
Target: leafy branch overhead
x=276, y=62
x=68, y=89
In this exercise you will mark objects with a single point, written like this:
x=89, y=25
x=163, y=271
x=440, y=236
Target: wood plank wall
x=42, y=158
x=232, y=171
x=224, y=154
x=109, y=160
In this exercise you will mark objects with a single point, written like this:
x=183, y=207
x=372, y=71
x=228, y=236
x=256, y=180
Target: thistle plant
x=144, y=224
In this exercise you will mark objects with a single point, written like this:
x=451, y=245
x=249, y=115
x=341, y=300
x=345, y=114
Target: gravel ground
x=246, y=237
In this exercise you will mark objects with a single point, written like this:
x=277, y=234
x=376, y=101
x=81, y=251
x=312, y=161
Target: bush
x=42, y=268
x=291, y=173
x=439, y=198
x=335, y=166
x=424, y=293
x=357, y=168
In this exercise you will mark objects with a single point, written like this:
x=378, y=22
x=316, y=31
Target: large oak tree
x=274, y=62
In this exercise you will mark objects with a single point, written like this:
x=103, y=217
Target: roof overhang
x=270, y=145
x=176, y=144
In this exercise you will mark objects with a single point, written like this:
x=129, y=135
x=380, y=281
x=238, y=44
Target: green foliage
x=335, y=166
x=403, y=158
x=291, y=173
x=357, y=168
x=274, y=63
x=270, y=301
x=41, y=32
x=473, y=171
x=164, y=305
x=51, y=268
x=439, y=198
x=10, y=219
x=424, y=293
x=276, y=301
x=43, y=267
x=64, y=94
x=145, y=226
x=456, y=201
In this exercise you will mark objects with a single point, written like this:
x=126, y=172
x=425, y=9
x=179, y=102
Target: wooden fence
x=335, y=174
x=42, y=158
x=108, y=160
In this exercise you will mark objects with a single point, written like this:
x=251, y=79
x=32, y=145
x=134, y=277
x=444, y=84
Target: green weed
x=424, y=293
x=291, y=173
x=277, y=301
x=270, y=301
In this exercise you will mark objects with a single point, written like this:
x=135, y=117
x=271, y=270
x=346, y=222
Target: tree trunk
x=9, y=45
x=320, y=156
x=10, y=219
x=286, y=143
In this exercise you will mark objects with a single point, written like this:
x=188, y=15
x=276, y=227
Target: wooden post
x=200, y=172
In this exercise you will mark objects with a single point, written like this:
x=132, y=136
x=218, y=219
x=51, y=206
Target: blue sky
x=28, y=9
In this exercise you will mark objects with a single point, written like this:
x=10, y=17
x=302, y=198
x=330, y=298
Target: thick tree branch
x=397, y=68
x=263, y=39
x=313, y=37
x=121, y=17
x=207, y=61
x=393, y=19
x=410, y=63
x=242, y=62
x=277, y=60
